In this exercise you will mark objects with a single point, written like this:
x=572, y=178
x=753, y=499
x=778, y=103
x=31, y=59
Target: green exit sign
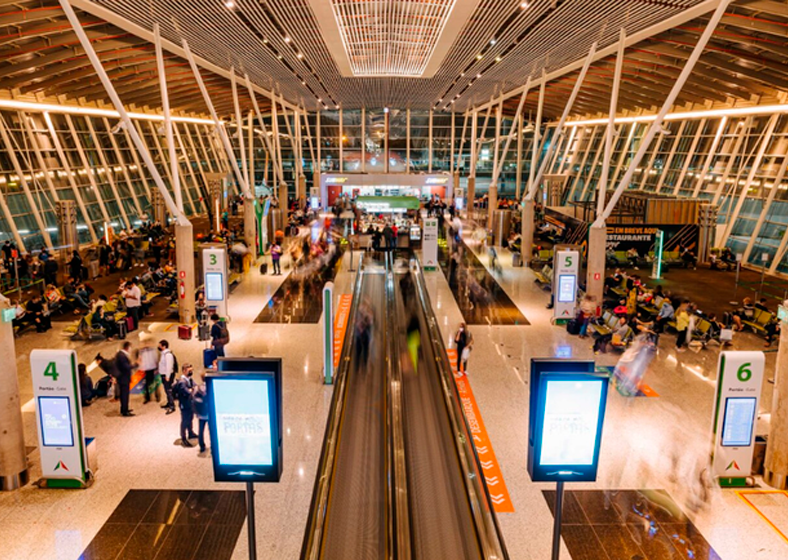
x=9, y=315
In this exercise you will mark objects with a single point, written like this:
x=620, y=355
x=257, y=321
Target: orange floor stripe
x=742, y=494
x=648, y=391
x=340, y=325
x=493, y=475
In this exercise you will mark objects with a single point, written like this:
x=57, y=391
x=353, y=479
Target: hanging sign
x=59, y=418
x=739, y=381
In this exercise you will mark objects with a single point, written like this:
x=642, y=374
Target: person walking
x=464, y=341
x=167, y=368
x=184, y=392
x=149, y=363
x=682, y=324
x=125, y=369
x=220, y=336
x=133, y=297
x=276, y=255
x=201, y=410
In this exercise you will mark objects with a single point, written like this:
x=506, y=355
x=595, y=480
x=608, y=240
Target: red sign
x=597, y=276
x=182, y=290
x=182, y=274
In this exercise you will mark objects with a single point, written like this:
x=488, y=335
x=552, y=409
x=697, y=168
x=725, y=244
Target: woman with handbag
x=464, y=341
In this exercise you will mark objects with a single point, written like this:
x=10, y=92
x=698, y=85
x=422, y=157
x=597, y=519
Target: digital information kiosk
x=430, y=243
x=566, y=265
x=328, y=333
x=739, y=382
x=214, y=270
x=245, y=404
x=64, y=455
x=567, y=412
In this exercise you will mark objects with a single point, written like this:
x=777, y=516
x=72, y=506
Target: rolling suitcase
x=129, y=323
x=517, y=260
x=121, y=326
x=185, y=332
x=208, y=357
x=573, y=326
x=204, y=332
x=264, y=268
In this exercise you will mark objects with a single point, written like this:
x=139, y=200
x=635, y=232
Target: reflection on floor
x=628, y=525
x=479, y=296
x=171, y=524
x=299, y=299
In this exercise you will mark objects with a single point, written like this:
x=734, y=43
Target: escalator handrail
x=399, y=519
x=487, y=528
x=318, y=509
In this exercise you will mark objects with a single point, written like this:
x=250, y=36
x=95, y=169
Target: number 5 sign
x=59, y=417
x=739, y=381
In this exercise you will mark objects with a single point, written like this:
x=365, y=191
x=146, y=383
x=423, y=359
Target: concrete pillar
x=283, y=199
x=456, y=185
x=775, y=471
x=250, y=224
x=301, y=194
x=184, y=262
x=595, y=280
x=470, y=195
x=527, y=230
x=13, y=461
x=492, y=205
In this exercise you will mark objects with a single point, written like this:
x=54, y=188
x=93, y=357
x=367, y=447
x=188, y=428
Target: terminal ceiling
x=353, y=53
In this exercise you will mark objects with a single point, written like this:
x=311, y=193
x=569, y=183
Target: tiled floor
x=171, y=524
x=628, y=525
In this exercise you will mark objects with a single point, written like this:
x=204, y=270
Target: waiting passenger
x=689, y=258
x=745, y=313
x=682, y=324
x=86, y=389
x=666, y=314
x=39, y=313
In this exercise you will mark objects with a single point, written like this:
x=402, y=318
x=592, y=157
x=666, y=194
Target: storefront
x=379, y=184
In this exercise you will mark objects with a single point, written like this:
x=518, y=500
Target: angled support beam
x=124, y=169
x=537, y=133
x=710, y=157
x=764, y=212
x=239, y=131
x=108, y=173
x=118, y=104
x=138, y=166
x=165, y=107
x=89, y=170
x=671, y=99
x=70, y=177
x=217, y=123
x=515, y=123
x=39, y=156
x=266, y=139
x=560, y=127
x=688, y=157
x=610, y=130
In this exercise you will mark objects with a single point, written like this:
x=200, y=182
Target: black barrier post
x=559, y=503
x=250, y=520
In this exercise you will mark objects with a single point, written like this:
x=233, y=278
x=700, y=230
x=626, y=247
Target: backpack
x=224, y=335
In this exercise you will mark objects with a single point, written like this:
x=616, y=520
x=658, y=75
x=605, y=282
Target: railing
x=487, y=530
x=318, y=511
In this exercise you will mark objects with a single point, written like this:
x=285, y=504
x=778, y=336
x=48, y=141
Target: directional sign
x=59, y=417
x=566, y=266
x=214, y=266
x=739, y=381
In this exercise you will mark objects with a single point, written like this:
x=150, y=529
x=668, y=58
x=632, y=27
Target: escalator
x=398, y=476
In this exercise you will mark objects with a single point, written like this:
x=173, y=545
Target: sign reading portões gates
x=739, y=381
x=59, y=418
x=214, y=267
x=566, y=266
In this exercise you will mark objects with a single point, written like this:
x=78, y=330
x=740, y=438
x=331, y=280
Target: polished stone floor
x=171, y=524
x=660, y=442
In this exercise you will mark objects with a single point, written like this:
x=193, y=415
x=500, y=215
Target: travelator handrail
x=482, y=509
x=400, y=522
x=318, y=510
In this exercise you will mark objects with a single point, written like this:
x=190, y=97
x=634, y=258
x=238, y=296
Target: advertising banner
x=739, y=381
x=59, y=417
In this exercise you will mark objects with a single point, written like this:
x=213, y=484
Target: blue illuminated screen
x=566, y=288
x=243, y=421
x=571, y=422
x=214, y=286
x=55, y=415
x=739, y=420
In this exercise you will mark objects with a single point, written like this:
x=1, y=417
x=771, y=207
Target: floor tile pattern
x=628, y=525
x=171, y=524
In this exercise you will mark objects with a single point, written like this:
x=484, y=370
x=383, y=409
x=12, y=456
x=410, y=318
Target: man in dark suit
x=125, y=368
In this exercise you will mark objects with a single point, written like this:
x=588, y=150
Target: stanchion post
x=559, y=502
x=250, y=520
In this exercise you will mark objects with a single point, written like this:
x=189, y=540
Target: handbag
x=726, y=335
x=466, y=353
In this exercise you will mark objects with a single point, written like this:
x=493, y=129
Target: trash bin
x=759, y=454
x=517, y=260
x=502, y=222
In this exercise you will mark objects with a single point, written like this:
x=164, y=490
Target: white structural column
x=70, y=177
x=451, y=141
x=239, y=131
x=460, y=147
x=25, y=186
x=165, y=102
x=187, y=163
x=624, y=151
x=124, y=169
x=470, y=196
x=250, y=147
x=754, y=169
x=108, y=172
x=200, y=168
x=13, y=456
x=89, y=171
x=597, y=233
x=537, y=133
x=576, y=178
x=429, y=142
x=407, y=141
x=42, y=164
x=701, y=175
x=590, y=175
x=492, y=189
x=652, y=159
x=765, y=210
x=154, y=133
x=689, y=156
x=266, y=138
x=669, y=101
x=363, y=140
x=341, y=140
x=518, y=180
x=201, y=142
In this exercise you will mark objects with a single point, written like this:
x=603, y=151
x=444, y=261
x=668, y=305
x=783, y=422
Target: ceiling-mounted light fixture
x=525, y=5
x=479, y=75
x=497, y=59
x=287, y=39
x=493, y=41
x=300, y=55
x=229, y=4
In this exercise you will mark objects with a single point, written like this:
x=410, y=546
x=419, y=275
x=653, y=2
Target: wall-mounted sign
x=565, y=424
x=214, y=267
x=246, y=420
x=59, y=418
x=739, y=381
x=566, y=266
